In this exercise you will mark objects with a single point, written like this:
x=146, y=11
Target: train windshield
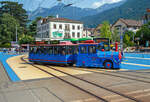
x=103, y=46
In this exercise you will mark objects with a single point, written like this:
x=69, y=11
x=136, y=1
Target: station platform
x=28, y=72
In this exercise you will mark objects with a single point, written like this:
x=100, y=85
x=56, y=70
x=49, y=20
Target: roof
x=89, y=29
x=88, y=43
x=146, y=16
x=72, y=39
x=60, y=20
x=84, y=39
x=61, y=44
x=130, y=22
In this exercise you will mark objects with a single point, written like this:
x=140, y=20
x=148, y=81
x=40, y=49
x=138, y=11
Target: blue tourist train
x=79, y=55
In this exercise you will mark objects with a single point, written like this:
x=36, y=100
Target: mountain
x=131, y=9
x=71, y=12
x=31, y=5
x=110, y=6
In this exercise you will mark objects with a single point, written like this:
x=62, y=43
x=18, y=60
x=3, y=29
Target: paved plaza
x=35, y=85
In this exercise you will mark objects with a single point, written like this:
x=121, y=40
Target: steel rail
x=123, y=95
x=98, y=97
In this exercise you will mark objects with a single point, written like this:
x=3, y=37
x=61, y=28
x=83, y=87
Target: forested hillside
x=131, y=9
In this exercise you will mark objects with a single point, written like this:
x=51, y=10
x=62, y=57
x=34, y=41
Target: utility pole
x=16, y=35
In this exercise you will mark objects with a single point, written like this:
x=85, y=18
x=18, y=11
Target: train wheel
x=70, y=64
x=108, y=64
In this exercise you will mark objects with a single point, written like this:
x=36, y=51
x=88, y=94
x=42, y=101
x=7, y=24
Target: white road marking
x=143, y=65
x=138, y=58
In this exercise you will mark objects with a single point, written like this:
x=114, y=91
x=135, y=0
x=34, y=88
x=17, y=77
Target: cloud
x=97, y=4
x=102, y=2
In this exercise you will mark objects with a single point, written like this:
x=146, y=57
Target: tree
x=115, y=36
x=144, y=33
x=8, y=28
x=128, y=38
x=105, y=30
x=14, y=9
x=26, y=39
x=33, y=26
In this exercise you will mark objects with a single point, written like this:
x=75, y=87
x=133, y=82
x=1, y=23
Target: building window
x=67, y=26
x=73, y=34
x=73, y=27
x=60, y=26
x=78, y=27
x=47, y=34
x=54, y=26
x=42, y=27
x=135, y=28
x=78, y=35
x=47, y=26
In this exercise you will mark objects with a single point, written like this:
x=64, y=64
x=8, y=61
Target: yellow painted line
x=25, y=71
x=72, y=71
x=86, y=100
x=143, y=95
x=139, y=91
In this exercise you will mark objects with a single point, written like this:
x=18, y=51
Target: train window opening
x=92, y=49
x=45, y=50
x=83, y=49
x=59, y=49
x=34, y=50
x=106, y=47
x=31, y=50
x=100, y=47
x=69, y=50
x=50, y=50
x=75, y=49
x=41, y=50
x=55, y=50
x=63, y=50
x=38, y=50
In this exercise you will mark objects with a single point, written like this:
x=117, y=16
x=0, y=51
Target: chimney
x=57, y=16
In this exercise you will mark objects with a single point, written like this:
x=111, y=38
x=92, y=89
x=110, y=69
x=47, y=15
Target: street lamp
x=121, y=37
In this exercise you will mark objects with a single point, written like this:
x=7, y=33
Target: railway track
x=120, y=75
x=86, y=81
x=98, y=97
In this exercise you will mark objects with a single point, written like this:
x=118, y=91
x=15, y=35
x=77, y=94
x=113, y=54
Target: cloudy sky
x=34, y=4
x=94, y=3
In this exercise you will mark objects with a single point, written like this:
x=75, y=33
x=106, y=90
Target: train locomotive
x=79, y=55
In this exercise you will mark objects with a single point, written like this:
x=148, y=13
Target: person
x=4, y=50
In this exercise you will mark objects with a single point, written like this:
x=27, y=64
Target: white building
x=58, y=29
x=123, y=25
x=88, y=32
